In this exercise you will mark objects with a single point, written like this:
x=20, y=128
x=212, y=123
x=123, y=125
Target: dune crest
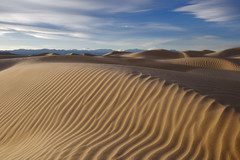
x=46, y=54
x=192, y=53
x=87, y=54
x=207, y=63
x=72, y=54
x=227, y=53
x=116, y=53
x=90, y=111
x=156, y=54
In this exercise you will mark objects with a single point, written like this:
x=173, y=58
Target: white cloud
x=207, y=37
x=211, y=10
x=54, y=19
x=88, y=23
x=150, y=26
x=79, y=5
x=38, y=32
x=48, y=18
x=3, y=32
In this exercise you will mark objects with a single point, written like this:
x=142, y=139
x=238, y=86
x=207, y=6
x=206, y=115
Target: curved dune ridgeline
x=207, y=63
x=95, y=111
x=192, y=53
x=156, y=54
x=228, y=53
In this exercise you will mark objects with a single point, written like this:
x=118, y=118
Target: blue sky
x=114, y=24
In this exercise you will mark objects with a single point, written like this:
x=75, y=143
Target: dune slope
x=206, y=63
x=192, y=53
x=156, y=54
x=228, y=53
x=93, y=111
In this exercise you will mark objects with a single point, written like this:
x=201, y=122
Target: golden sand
x=75, y=107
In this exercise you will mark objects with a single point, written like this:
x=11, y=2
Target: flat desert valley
x=152, y=105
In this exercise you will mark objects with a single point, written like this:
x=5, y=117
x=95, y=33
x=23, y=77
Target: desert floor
x=155, y=104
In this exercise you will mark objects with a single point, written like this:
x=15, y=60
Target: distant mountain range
x=62, y=52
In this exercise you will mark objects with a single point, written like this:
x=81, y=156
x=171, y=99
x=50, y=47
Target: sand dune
x=72, y=54
x=82, y=54
x=116, y=53
x=93, y=112
x=4, y=55
x=232, y=52
x=86, y=54
x=73, y=107
x=46, y=54
x=202, y=53
x=159, y=54
x=208, y=63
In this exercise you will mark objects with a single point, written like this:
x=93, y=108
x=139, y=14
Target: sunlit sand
x=155, y=104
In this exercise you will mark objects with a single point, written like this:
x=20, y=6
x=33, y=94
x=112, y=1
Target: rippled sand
x=125, y=107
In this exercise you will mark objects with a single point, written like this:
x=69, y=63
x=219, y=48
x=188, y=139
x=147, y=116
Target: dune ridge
x=205, y=62
x=156, y=54
x=90, y=111
x=227, y=53
x=116, y=53
x=192, y=53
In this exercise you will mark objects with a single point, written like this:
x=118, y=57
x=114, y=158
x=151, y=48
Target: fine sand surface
x=168, y=106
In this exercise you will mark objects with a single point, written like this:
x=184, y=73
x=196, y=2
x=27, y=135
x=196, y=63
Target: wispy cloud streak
x=212, y=10
x=57, y=19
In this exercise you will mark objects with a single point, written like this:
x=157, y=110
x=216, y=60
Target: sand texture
x=87, y=107
x=160, y=54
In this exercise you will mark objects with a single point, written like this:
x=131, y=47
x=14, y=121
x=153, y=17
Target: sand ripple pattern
x=85, y=111
x=208, y=63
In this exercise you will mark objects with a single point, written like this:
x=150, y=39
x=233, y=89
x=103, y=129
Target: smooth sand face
x=233, y=52
x=63, y=107
x=161, y=54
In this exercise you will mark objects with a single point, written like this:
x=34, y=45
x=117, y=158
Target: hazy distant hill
x=40, y=51
x=5, y=53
